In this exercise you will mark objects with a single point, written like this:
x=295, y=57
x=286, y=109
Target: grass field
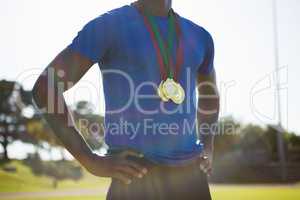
x=11, y=184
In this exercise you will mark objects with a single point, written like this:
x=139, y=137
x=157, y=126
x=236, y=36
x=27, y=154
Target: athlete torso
x=135, y=116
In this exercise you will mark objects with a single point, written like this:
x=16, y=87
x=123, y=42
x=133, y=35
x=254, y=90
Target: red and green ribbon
x=164, y=48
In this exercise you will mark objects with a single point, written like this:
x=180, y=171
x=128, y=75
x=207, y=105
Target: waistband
x=153, y=165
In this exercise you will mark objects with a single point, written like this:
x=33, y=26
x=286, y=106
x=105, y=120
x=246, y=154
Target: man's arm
x=208, y=113
x=65, y=70
x=61, y=74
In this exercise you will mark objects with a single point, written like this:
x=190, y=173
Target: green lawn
x=251, y=192
x=24, y=181
x=224, y=193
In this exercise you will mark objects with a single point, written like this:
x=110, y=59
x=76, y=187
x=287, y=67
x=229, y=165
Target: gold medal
x=179, y=98
x=172, y=90
x=169, y=88
x=161, y=94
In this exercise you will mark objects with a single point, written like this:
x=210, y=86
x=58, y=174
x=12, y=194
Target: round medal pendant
x=179, y=98
x=170, y=88
x=161, y=94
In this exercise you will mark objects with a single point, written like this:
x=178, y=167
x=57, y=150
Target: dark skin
x=74, y=66
x=208, y=113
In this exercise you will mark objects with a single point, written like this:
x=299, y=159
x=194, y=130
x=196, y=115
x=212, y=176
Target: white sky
x=33, y=32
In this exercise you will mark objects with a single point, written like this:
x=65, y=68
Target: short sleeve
x=207, y=65
x=92, y=41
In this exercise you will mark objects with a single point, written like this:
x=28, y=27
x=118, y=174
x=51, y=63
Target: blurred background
x=257, y=150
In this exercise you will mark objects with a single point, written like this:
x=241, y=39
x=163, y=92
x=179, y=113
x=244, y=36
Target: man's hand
x=206, y=159
x=117, y=166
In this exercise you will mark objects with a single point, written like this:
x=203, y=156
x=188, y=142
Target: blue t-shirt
x=135, y=117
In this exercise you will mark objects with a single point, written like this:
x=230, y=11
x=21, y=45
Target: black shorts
x=163, y=183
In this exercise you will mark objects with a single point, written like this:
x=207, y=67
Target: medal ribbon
x=164, y=49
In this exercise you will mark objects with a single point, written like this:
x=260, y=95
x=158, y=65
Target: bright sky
x=33, y=32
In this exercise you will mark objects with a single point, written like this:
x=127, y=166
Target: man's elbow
x=38, y=93
x=35, y=96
